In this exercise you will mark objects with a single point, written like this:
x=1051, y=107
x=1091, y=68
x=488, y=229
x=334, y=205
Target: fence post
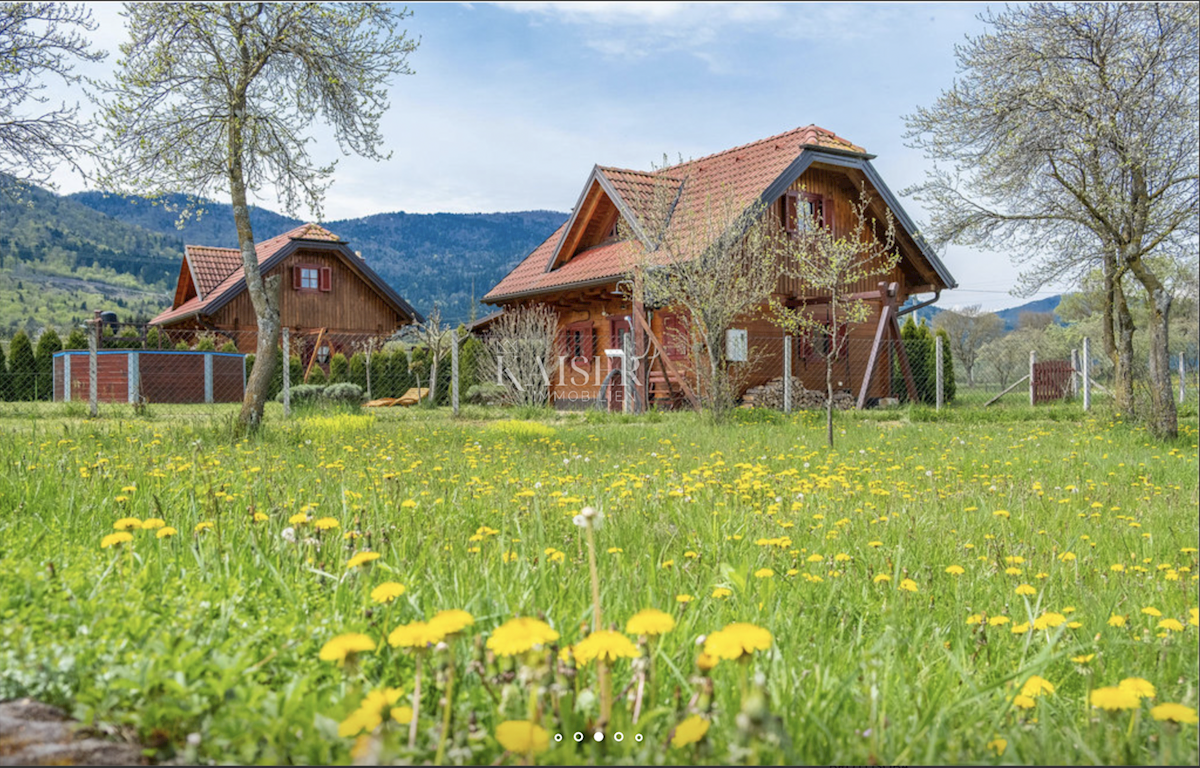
x=454, y=373
x=941, y=390
x=1182, y=384
x=131, y=375
x=787, y=374
x=208, y=377
x=369, y=374
x=1074, y=373
x=626, y=369
x=93, y=367
x=66, y=367
x=1032, y=388
x=1085, y=365
x=287, y=372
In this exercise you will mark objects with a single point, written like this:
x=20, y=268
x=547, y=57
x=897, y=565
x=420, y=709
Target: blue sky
x=512, y=103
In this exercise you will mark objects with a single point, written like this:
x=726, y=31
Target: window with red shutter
x=296, y=277
x=326, y=279
x=578, y=344
x=306, y=277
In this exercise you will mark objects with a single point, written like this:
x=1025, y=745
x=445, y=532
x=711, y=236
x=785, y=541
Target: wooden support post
x=454, y=372
x=1032, y=388
x=669, y=366
x=316, y=350
x=93, y=367
x=787, y=374
x=1074, y=373
x=1087, y=379
x=1013, y=386
x=287, y=371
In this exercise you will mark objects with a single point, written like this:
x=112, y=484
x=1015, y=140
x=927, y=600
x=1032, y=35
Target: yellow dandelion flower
x=1175, y=713
x=153, y=524
x=1036, y=686
x=1025, y=589
x=706, y=662
x=127, y=523
x=955, y=570
x=415, y=634
x=115, y=539
x=975, y=618
x=1194, y=617
x=402, y=715
x=1049, y=620
x=362, y=558
x=907, y=585
x=369, y=714
x=1020, y=629
x=343, y=647
x=1114, y=698
x=519, y=635
x=1001, y=513
x=326, y=524
x=668, y=563
x=1116, y=620
x=881, y=578
x=1171, y=625
x=764, y=573
x=1152, y=611
x=451, y=621
x=1023, y=702
x=651, y=622
x=998, y=621
x=875, y=544
x=165, y=532
x=522, y=737
x=684, y=598
x=207, y=525
x=300, y=518
x=1143, y=689
x=689, y=731
x=260, y=517
x=1083, y=659
x=998, y=746
x=605, y=645
x=720, y=593
x=387, y=592
x=736, y=640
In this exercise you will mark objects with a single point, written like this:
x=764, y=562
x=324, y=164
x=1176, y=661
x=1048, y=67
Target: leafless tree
x=1071, y=138
x=216, y=97
x=522, y=345
x=828, y=267
x=711, y=259
x=969, y=328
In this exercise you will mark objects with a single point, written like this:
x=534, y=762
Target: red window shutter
x=326, y=279
x=790, y=212
x=587, y=342
x=296, y=278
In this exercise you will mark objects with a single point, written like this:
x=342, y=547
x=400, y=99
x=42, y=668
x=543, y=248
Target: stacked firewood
x=770, y=395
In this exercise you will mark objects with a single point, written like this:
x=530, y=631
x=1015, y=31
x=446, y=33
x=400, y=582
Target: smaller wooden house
x=330, y=298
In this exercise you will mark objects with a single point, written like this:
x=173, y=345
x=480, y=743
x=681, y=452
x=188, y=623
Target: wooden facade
x=819, y=170
x=326, y=291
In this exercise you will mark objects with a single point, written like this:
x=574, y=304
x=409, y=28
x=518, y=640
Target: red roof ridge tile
x=810, y=131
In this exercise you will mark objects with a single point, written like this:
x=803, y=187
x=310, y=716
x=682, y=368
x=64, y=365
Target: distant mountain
x=428, y=258
x=1010, y=316
x=60, y=259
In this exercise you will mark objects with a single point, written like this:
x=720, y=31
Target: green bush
x=339, y=369
x=22, y=367
x=485, y=394
x=358, y=370
x=304, y=394
x=343, y=393
x=229, y=346
x=206, y=343
x=182, y=346
x=949, y=388
x=317, y=376
x=48, y=343
x=79, y=340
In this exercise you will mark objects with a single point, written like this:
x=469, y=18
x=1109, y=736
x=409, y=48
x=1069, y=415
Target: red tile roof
x=218, y=270
x=729, y=181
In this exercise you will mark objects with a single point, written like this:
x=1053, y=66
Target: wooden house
x=583, y=269
x=330, y=299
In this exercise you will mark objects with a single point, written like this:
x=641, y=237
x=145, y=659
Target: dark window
x=801, y=210
x=311, y=277
x=577, y=341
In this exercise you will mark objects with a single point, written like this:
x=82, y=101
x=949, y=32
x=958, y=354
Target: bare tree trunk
x=1123, y=373
x=264, y=294
x=1164, y=421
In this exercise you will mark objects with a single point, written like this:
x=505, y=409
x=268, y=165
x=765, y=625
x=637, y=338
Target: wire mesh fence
x=114, y=369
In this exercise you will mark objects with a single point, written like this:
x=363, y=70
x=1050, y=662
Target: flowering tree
x=215, y=97
x=829, y=266
x=1071, y=137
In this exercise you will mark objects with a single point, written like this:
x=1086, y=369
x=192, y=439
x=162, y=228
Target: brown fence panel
x=1051, y=380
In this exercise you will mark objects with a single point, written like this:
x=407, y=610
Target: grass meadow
x=1020, y=588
